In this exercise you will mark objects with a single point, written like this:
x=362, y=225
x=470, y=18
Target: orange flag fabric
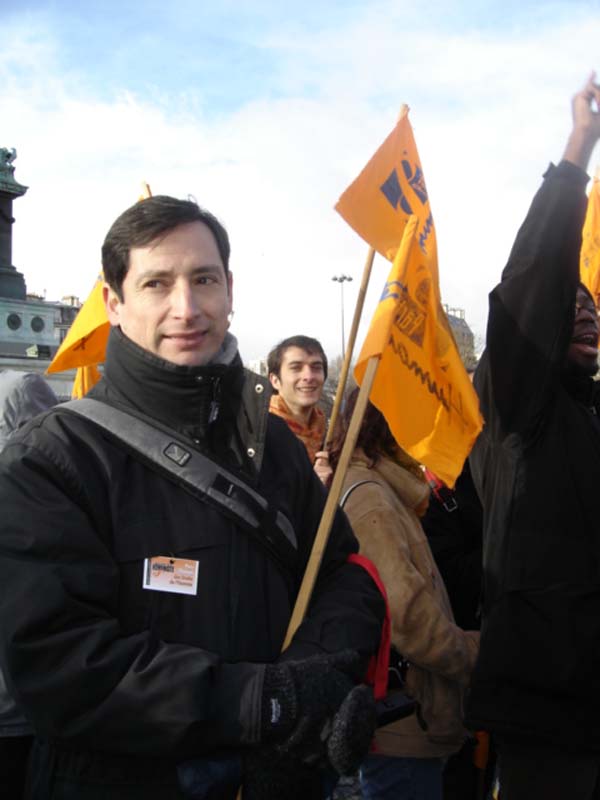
x=421, y=387
x=85, y=342
x=85, y=378
x=589, y=264
x=84, y=346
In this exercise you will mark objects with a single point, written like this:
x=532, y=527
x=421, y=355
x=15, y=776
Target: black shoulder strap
x=163, y=451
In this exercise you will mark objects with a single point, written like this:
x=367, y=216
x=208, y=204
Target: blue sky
x=264, y=112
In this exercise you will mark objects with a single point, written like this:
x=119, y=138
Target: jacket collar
x=221, y=407
x=180, y=396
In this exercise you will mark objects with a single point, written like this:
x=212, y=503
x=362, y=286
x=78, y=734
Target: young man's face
x=176, y=296
x=301, y=378
x=582, y=356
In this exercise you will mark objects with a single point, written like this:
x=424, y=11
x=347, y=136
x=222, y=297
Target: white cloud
x=489, y=111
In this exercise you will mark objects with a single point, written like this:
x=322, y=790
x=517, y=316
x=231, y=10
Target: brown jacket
x=383, y=516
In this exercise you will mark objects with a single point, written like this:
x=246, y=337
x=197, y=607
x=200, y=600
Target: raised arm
x=586, y=124
x=532, y=308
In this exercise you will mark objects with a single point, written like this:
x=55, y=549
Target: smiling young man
x=142, y=618
x=536, y=467
x=297, y=370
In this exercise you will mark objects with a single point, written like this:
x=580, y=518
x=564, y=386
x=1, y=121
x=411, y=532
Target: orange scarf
x=311, y=435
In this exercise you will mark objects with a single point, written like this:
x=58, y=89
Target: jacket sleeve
x=531, y=311
x=79, y=676
x=421, y=629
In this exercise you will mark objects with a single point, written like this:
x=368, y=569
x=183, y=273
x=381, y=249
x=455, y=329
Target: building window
x=37, y=324
x=13, y=321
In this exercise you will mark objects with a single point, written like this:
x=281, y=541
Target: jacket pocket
x=142, y=608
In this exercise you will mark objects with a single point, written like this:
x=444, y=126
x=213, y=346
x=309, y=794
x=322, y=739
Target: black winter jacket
x=536, y=466
x=128, y=682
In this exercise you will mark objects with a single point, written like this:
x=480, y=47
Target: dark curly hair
x=374, y=436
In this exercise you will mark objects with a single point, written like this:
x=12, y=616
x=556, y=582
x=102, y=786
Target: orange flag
x=84, y=346
x=589, y=263
x=85, y=342
x=421, y=386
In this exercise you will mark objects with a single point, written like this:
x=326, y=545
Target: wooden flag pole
x=331, y=506
x=333, y=497
x=360, y=301
x=339, y=394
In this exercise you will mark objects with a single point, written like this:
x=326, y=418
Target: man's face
x=301, y=378
x=176, y=296
x=582, y=356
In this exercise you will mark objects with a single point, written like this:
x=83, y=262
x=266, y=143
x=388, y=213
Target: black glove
x=270, y=774
x=300, y=697
x=352, y=731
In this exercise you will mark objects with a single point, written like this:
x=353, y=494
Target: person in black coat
x=535, y=465
x=141, y=621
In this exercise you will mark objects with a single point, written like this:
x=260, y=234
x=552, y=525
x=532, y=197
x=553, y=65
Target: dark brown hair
x=306, y=343
x=146, y=221
x=374, y=437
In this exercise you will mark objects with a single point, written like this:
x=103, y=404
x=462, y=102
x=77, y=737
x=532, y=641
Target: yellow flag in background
x=421, y=386
x=85, y=342
x=85, y=378
x=84, y=346
x=589, y=264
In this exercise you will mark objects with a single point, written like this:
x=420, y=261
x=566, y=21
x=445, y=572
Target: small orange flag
x=84, y=346
x=589, y=263
x=85, y=342
x=421, y=386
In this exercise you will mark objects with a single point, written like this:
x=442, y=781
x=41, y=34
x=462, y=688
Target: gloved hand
x=299, y=697
x=352, y=731
x=270, y=774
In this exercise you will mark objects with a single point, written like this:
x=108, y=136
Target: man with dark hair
x=297, y=369
x=145, y=223
x=144, y=605
x=535, y=465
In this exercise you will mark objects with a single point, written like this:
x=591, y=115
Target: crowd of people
x=155, y=535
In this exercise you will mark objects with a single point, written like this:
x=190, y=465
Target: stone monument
x=12, y=283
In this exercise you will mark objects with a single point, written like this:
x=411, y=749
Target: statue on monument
x=12, y=283
x=7, y=156
x=8, y=184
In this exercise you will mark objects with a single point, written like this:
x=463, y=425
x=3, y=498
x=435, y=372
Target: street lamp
x=340, y=279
